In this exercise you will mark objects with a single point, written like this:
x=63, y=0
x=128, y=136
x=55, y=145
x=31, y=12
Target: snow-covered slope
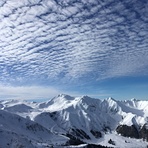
x=81, y=119
x=18, y=131
x=122, y=112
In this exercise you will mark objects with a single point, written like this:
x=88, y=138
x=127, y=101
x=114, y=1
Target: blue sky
x=87, y=47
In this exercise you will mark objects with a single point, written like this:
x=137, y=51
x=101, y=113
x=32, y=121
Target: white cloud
x=27, y=92
x=40, y=92
x=71, y=40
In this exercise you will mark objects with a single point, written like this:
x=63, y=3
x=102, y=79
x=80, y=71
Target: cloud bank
x=28, y=92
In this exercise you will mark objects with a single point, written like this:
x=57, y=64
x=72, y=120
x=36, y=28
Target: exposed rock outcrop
x=144, y=132
x=133, y=132
x=128, y=131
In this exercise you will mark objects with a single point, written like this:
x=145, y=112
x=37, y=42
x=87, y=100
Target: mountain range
x=66, y=121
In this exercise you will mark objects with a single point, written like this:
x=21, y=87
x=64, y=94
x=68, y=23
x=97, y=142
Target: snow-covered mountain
x=64, y=121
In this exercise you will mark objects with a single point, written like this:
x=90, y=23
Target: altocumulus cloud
x=51, y=40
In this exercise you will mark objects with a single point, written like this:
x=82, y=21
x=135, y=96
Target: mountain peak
x=135, y=100
x=110, y=98
x=67, y=97
x=86, y=97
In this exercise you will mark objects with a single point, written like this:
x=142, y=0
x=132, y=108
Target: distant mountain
x=81, y=121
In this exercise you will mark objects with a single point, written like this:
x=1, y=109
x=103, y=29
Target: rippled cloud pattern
x=71, y=40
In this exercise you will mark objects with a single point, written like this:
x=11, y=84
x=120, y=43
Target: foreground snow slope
x=16, y=130
x=90, y=120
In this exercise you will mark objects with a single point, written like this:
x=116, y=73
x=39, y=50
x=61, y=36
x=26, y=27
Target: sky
x=97, y=48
